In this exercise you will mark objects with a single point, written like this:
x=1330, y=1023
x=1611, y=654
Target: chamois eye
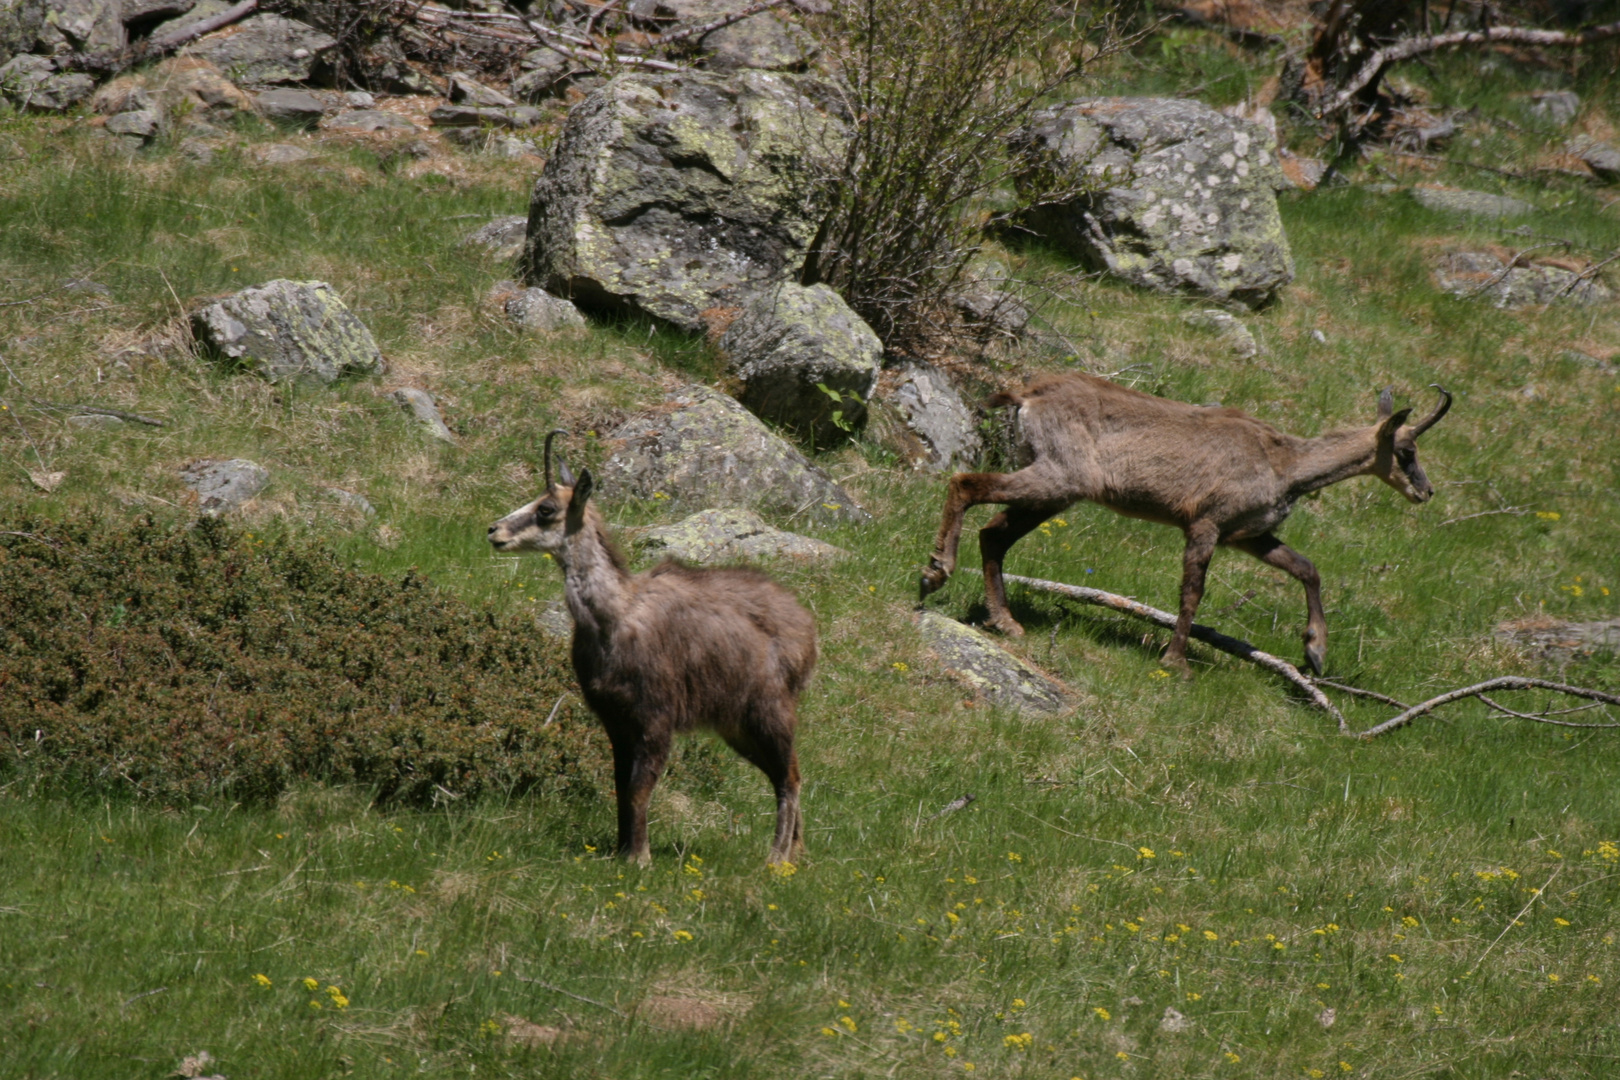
x=547, y=509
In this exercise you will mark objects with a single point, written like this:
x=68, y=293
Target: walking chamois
x=1220, y=476
x=670, y=651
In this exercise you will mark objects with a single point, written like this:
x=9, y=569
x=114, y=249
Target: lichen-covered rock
x=1469, y=274
x=32, y=83
x=703, y=448
x=368, y=120
x=1181, y=198
x=765, y=40
x=88, y=25
x=938, y=432
x=1559, y=642
x=288, y=330
x=536, y=309
x=297, y=109
x=20, y=23
x=987, y=669
x=267, y=48
x=502, y=237
x=1471, y=203
x=674, y=194
x=222, y=486
x=511, y=116
x=806, y=361
x=711, y=536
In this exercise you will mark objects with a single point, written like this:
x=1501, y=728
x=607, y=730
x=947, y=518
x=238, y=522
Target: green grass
x=1041, y=932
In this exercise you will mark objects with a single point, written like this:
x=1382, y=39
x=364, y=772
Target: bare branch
x=1359, y=692
x=1541, y=718
x=1407, y=48
x=1516, y=511
x=1505, y=682
x=1232, y=646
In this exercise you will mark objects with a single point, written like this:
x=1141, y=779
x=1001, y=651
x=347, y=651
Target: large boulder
x=1175, y=196
x=33, y=83
x=702, y=448
x=987, y=669
x=20, y=24
x=805, y=360
x=89, y=25
x=288, y=330
x=712, y=536
x=926, y=421
x=765, y=40
x=267, y=48
x=676, y=194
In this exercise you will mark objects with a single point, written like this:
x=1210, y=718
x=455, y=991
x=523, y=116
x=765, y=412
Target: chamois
x=1219, y=475
x=672, y=650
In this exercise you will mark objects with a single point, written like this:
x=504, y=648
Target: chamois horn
x=552, y=434
x=1439, y=410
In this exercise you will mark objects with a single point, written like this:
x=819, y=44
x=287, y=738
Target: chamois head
x=1396, y=462
x=545, y=524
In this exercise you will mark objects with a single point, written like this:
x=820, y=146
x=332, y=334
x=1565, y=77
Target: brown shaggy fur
x=1219, y=475
x=673, y=650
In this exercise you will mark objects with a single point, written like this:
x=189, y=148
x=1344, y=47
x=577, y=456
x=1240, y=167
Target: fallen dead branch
x=1312, y=688
x=1233, y=646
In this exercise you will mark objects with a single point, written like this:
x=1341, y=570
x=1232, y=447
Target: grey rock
x=1000, y=310
x=1471, y=203
x=32, y=83
x=358, y=99
x=989, y=670
x=764, y=40
x=88, y=25
x=502, y=237
x=1182, y=198
x=195, y=13
x=368, y=120
x=20, y=24
x=290, y=108
x=1557, y=107
x=513, y=148
x=95, y=420
x=147, y=12
x=514, y=116
x=351, y=500
x=711, y=536
x=142, y=123
x=1304, y=173
x=1469, y=274
x=549, y=74
x=281, y=154
x=222, y=486
x=536, y=309
x=268, y=48
x=1602, y=158
x=675, y=194
x=553, y=620
x=288, y=330
x=942, y=429
x=1581, y=359
x=1558, y=642
x=703, y=448
x=197, y=151
x=1230, y=329
x=806, y=361
x=420, y=404
x=86, y=287
x=465, y=90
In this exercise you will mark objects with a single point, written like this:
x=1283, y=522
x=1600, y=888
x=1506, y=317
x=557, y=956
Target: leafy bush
x=184, y=659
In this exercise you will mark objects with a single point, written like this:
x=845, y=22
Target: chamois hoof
x=1005, y=624
x=932, y=579
x=1316, y=656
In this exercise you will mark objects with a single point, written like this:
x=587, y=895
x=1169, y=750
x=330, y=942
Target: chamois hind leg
x=1273, y=552
x=974, y=489
x=1201, y=538
x=1003, y=531
x=769, y=747
x=638, y=762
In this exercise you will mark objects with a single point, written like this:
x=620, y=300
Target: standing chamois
x=1218, y=475
x=672, y=650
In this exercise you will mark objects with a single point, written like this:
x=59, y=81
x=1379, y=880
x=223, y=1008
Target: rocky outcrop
x=297, y=109
x=1179, y=198
x=712, y=536
x=267, y=49
x=805, y=361
x=702, y=448
x=765, y=40
x=20, y=24
x=1469, y=274
x=987, y=669
x=676, y=194
x=288, y=330
x=222, y=486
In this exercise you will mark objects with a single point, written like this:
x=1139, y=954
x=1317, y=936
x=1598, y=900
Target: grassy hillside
x=1177, y=879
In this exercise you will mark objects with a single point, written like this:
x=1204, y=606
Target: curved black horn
x=1439, y=410
x=1386, y=402
x=552, y=434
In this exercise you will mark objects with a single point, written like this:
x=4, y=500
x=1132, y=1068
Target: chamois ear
x=582, y=489
x=565, y=474
x=1389, y=425
x=1386, y=402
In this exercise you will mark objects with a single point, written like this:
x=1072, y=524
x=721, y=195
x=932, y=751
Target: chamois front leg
x=1003, y=531
x=638, y=762
x=1201, y=538
x=962, y=491
x=1273, y=552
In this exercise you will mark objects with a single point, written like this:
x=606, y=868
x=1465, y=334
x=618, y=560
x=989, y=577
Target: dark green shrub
x=187, y=659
